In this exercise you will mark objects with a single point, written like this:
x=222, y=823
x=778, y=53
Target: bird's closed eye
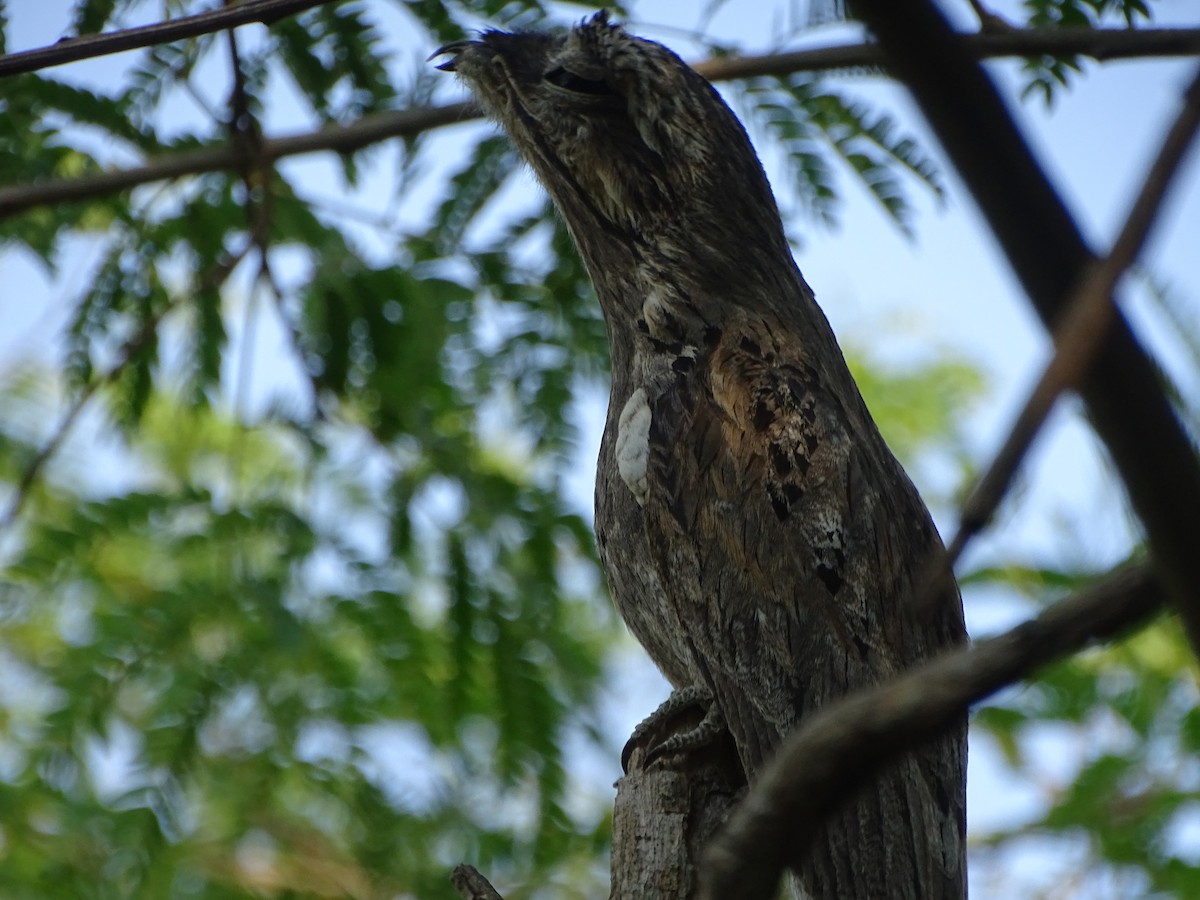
x=569, y=81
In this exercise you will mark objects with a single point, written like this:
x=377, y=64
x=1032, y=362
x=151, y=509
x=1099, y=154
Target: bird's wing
x=785, y=534
x=787, y=539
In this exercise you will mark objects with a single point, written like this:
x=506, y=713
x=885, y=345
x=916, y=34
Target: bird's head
x=634, y=146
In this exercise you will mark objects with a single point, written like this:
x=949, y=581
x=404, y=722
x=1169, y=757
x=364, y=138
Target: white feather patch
x=656, y=312
x=633, y=444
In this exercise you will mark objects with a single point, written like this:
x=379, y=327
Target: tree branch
x=339, y=138
x=1124, y=397
x=1083, y=327
x=828, y=759
x=90, y=46
x=665, y=815
x=1101, y=43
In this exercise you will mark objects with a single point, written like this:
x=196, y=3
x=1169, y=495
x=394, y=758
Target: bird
x=758, y=536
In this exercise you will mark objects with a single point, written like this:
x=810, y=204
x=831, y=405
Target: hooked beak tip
x=454, y=50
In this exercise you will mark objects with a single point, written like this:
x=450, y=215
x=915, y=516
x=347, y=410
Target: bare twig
x=257, y=177
x=843, y=745
x=1122, y=390
x=89, y=46
x=471, y=885
x=1079, y=335
x=339, y=138
x=1101, y=43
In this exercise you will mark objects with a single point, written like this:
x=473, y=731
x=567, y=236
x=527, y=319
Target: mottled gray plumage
x=760, y=539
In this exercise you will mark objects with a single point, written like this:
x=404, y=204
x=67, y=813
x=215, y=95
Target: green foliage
x=158, y=70
x=336, y=59
x=233, y=629
x=35, y=116
x=492, y=159
x=1131, y=707
x=92, y=15
x=185, y=622
x=1083, y=13
x=919, y=407
x=1045, y=74
x=810, y=121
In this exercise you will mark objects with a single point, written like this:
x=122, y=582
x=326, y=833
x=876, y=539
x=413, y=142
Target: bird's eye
x=569, y=81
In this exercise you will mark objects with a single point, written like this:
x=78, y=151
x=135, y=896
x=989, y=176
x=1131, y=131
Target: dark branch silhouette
x=90, y=46
x=1084, y=325
x=1122, y=391
x=1100, y=44
x=843, y=745
x=338, y=138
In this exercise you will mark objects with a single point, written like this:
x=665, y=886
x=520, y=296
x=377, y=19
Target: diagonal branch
x=1100, y=43
x=338, y=138
x=846, y=743
x=1122, y=391
x=1084, y=325
x=90, y=46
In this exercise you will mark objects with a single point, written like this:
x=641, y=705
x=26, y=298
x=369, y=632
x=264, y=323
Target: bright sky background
x=950, y=287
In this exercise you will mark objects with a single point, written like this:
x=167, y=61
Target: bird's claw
x=672, y=717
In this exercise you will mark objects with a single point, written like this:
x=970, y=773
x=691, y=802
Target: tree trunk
x=664, y=817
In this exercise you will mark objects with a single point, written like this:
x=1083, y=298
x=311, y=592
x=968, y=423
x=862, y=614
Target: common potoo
x=759, y=538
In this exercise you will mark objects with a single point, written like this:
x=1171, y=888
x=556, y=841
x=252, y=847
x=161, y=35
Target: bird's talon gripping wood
x=668, y=730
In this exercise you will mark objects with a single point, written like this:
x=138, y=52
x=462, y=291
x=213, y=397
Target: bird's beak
x=454, y=50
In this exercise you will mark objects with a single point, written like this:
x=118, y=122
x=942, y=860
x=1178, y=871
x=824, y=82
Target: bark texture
x=665, y=817
x=760, y=539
